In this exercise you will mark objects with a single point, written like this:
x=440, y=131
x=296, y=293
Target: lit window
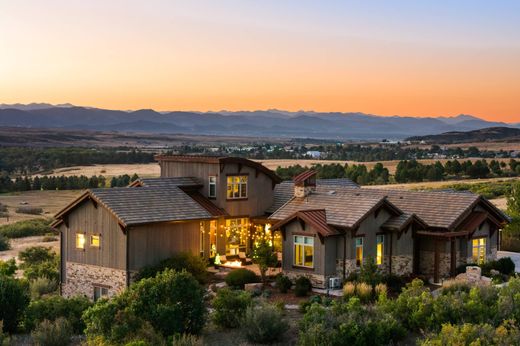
x=304, y=251
x=95, y=241
x=380, y=249
x=212, y=192
x=479, y=250
x=80, y=241
x=237, y=186
x=359, y=251
x=212, y=238
x=237, y=235
x=100, y=292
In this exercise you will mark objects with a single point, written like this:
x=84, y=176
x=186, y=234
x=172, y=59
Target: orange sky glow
x=436, y=59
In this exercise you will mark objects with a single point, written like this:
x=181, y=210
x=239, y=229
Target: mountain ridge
x=268, y=123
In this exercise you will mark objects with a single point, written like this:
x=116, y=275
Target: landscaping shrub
x=26, y=228
x=264, y=324
x=302, y=286
x=57, y=333
x=475, y=334
x=369, y=272
x=4, y=338
x=173, y=302
x=348, y=323
x=229, y=307
x=349, y=290
x=380, y=289
x=29, y=210
x=505, y=266
x=14, y=298
x=40, y=261
x=394, y=282
x=264, y=256
x=240, y=277
x=452, y=286
x=42, y=286
x=5, y=244
x=195, y=265
x=186, y=340
x=283, y=283
x=364, y=292
x=8, y=268
x=53, y=307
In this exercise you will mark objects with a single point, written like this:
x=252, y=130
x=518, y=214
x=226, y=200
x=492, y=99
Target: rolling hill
x=480, y=135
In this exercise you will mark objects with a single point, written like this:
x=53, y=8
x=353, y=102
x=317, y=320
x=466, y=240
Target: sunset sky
x=419, y=58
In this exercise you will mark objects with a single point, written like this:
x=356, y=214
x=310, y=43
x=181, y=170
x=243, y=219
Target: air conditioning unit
x=334, y=283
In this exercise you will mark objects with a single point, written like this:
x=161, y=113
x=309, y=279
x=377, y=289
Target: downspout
x=344, y=255
x=127, y=257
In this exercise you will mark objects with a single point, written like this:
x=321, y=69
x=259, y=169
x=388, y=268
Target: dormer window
x=212, y=187
x=237, y=187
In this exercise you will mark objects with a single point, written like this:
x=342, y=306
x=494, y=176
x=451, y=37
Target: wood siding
x=149, y=244
x=88, y=219
x=260, y=190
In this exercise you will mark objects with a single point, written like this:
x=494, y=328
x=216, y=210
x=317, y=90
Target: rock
x=494, y=272
x=473, y=273
x=255, y=287
x=220, y=285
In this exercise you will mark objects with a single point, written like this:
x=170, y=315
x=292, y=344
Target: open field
x=20, y=244
x=50, y=201
x=148, y=170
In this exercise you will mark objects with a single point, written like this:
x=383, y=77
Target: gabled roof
x=317, y=218
x=220, y=160
x=207, y=204
x=400, y=222
x=136, y=206
x=300, y=178
x=347, y=208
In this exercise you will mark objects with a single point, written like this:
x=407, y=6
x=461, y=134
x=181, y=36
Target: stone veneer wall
x=318, y=281
x=402, y=265
x=427, y=265
x=81, y=279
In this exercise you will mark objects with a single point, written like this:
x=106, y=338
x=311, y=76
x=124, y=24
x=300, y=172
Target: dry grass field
x=149, y=170
x=50, y=201
x=20, y=244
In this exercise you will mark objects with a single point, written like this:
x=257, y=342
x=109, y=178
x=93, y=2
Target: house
x=218, y=207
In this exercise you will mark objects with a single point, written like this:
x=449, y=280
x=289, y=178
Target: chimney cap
x=307, y=178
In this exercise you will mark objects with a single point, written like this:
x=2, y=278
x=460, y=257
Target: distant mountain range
x=268, y=123
x=475, y=136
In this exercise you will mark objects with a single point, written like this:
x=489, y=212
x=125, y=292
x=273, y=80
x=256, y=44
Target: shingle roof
x=398, y=223
x=207, y=204
x=134, y=206
x=300, y=178
x=170, y=182
x=317, y=218
x=344, y=209
x=285, y=191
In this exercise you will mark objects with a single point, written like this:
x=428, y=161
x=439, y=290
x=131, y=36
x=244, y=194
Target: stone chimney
x=304, y=183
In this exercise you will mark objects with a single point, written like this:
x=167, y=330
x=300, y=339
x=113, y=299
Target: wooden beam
x=453, y=259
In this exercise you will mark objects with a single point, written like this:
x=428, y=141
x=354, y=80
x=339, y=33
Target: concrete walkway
x=515, y=256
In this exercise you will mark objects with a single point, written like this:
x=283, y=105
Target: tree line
x=26, y=161
x=408, y=171
x=75, y=182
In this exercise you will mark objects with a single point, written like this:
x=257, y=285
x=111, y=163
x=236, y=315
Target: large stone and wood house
x=218, y=207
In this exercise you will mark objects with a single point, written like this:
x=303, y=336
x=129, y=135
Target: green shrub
x=195, y=265
x=240, y=277
x=229, y=307
x=264, y=324
x=5, y=244
x=302, y=286
x=29, y=210
x=14, y=298
x=26, y=228
x=264, y=256
x=475, y=334
x=394, y=282
x=348, y=323
x=173, y=302
x=364, y=292
x=4, y=338
x=40, y=261
x=50, y=270
x=505, y=266
x=369, y=272
x=283, y=283
x=186, y=340
x=53, y=307
x=57, y=333
x=42, y=286
x=452, y=286
x=36, y=255
x=8, y=268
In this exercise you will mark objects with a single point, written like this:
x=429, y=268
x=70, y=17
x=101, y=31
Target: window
x=212, y=238
x=380, y=251
x=304, y=251
x=237, y=235
x=212, y=192
x=95, y=240
x=479, y=250
x=359, y=251
x=237, y=186
x=100, y=292
x=80, y=241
